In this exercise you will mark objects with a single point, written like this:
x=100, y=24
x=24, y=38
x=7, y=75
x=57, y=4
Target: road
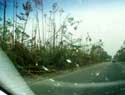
x=100, y=79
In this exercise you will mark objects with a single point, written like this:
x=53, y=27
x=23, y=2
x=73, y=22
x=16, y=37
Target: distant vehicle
x=113, y=60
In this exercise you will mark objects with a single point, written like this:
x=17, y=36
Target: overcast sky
x=103, y=19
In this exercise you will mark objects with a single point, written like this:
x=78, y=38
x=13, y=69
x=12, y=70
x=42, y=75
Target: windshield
x=62, y=47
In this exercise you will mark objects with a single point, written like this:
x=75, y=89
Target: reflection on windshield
x=2, y=93
x=62, y=47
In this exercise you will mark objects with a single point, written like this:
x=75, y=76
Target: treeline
x=45, y=59
x=55, y=50
x=120, y=54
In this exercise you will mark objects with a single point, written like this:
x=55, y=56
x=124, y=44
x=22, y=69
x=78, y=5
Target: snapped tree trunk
x=4, y=19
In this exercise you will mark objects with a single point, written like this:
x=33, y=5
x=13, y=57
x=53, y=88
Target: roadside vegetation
x=49, y=46
x=120, y=54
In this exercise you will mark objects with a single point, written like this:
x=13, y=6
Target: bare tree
x=39, y=5
x=54, y=10
x=27, y=8
x=4, y=19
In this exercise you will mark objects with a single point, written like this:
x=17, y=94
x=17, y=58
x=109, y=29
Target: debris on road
x=45, y=68
x=52, y=80
x=68, y=60
x=97, y=74
x=75, y=84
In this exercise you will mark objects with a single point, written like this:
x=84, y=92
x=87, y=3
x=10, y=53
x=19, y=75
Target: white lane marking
x=86, y=85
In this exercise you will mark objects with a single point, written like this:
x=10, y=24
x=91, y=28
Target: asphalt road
x=100, y=79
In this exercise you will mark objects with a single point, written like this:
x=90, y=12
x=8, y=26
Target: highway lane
x=100, y=79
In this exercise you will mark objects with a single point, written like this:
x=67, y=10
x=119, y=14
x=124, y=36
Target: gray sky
x=106, y=25
x=103, y=20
